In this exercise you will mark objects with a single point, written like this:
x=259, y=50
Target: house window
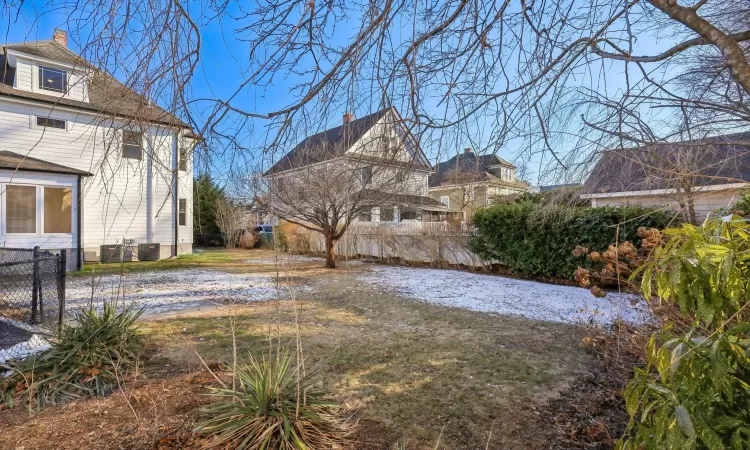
x=366, y=174
x=58, y=210
x=471, y=194
x=411, y=214
x=400, y=176
x=183, y=160
x=365, y=216
x=20, y=216
x=386, y=214
x=182, y=212
x=46, y=122
x=131, y=145
x=53, y=79
x=444, y=199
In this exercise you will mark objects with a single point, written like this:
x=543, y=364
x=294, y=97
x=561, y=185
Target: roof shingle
x=701, y=162
x=14, y=161
x=334, y=142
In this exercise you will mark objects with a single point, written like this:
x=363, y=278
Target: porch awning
x=17, y=162
x=414, y=201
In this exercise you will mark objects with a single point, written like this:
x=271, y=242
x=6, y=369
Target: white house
x=371, y=164
x=86, y=161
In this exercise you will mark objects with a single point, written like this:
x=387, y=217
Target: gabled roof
x=335, y=142
x=701, y=162
x=470, y=168
x=106, y=95
x=14, y=161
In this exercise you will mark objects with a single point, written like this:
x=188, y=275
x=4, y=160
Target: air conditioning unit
x=110, y=253
x=148, y=252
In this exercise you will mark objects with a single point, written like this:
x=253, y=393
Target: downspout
x=175, y=196
x=149, y=190
x=79, y=226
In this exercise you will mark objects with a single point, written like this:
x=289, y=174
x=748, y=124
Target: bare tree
x=230, y=219
x=323, y=185
x=559, y=80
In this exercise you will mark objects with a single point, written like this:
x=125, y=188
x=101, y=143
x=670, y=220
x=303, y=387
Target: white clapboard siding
x=705, y=202
x=115, y=198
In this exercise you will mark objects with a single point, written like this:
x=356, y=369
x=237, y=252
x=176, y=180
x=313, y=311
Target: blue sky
x=223, y=56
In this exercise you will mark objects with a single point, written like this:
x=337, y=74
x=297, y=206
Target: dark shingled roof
x=334, y=142
x=15, y=161
x=470, y=168
x=700, y=162
x=106, y=95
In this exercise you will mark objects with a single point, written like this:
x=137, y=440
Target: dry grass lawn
x=415, y=372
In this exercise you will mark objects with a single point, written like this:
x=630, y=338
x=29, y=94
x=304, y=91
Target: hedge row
x=538, y=240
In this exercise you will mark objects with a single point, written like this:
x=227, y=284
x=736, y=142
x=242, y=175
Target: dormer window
x=53, y=79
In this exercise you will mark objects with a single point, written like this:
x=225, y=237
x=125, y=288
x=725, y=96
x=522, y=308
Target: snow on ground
x=169, y=290
x=293, y=260
x=501, y=295
x=284, y=259
x=22, y=350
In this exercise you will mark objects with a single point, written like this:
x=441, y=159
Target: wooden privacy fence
x=439, y=248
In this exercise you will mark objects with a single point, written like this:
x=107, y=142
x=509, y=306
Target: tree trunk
x=330, y=255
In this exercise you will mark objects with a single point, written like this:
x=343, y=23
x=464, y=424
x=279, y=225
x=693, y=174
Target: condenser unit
x=148, y=252
x=110, y=253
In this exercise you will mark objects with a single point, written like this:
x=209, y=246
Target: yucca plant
x=274, y=407
x=85, y=359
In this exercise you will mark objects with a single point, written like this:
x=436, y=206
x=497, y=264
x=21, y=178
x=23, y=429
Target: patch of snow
x=287, y=259
x=509, y=296
x=291, y=260
x=169, y=290
x=22, y=350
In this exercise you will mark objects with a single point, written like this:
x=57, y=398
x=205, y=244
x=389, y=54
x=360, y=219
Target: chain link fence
x=32, y=299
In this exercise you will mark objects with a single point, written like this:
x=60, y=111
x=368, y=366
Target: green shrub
x=84, y=360
x=538, y=240
x=743, y=204
x=695, y=390
x=273, y=409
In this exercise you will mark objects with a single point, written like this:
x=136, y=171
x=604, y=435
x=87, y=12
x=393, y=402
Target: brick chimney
x=348, y=117
x=467, y=150
x=61, y=37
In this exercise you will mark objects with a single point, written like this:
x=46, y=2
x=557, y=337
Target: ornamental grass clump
x=274, y=407
x=85, y=359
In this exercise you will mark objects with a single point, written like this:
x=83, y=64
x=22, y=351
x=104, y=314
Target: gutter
x=79, y=225
x=175, y=196
x=709, y=188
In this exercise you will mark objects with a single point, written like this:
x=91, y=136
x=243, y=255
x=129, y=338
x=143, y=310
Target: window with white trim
x=131, y=145
x=53, y=79
x=444, y=199
x=183, y=159
x=20, y=209
x=366, y=174
x=182, y=212
x=58, y=210
x=49, y=122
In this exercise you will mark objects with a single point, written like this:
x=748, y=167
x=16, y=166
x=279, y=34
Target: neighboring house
x=468, y=181
x=694, y=177
x=371, y=166
x=86, y=161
